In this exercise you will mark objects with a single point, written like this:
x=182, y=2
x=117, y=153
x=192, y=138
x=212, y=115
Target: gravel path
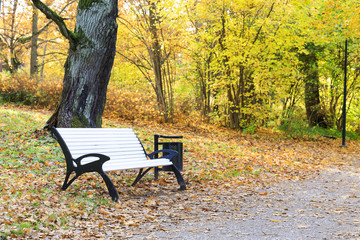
x=325, y=206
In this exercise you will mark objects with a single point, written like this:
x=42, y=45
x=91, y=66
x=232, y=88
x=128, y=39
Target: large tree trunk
x=88, y=66
x=310, y=70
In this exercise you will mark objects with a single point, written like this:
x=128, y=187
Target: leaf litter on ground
x=221, y=166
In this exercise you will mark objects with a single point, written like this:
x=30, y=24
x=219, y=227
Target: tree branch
x=50, y=14
x=268, y=15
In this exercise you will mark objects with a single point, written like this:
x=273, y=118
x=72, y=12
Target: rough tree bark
x=310, y=70
x=89, y=63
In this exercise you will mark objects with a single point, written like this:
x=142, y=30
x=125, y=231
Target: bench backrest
x=118, y=143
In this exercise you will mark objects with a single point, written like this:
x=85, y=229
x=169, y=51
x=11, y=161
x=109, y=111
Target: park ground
x=240, y=186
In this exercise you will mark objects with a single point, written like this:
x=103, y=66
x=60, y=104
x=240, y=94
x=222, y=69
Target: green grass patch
x=299, y=130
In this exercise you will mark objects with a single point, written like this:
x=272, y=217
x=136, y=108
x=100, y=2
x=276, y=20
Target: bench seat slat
x=117, y=160
x=114, y=165
x=105, y=136
x=103, y=143
x=101, y=140
x=96, y=132
x=89, y=130
x=108, y=152
x=95, y=148
x=113, y=144
x=115, y=156
x=78, y=135
x=81, y=133
x=94, y=129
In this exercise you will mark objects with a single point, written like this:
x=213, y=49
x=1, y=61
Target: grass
x=298, y=129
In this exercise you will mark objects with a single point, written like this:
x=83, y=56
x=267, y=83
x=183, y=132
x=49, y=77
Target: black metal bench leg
x=140, y=175
x=179, y=177
x=110, y=186
x=66, y=184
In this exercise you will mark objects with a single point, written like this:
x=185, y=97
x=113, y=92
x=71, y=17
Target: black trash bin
x=177, y=146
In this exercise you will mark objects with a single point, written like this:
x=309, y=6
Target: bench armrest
x=102, y=158
x=170, y=155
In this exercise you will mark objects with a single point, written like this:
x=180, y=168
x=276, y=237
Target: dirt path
x=325, y=206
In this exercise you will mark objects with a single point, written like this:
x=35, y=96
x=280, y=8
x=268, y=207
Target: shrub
x=30, y=91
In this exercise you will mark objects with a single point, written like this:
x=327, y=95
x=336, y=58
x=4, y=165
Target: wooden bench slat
x=94, y=132
x=118, y=160
x=113, y=148
x=107, y=146
x=112, y=166
x=94, y=136
x=87, y=130
x=108, y=151
x=123, y=157
x=90, y=137
x=103, y=143
x=79, y=134
x=79, y=148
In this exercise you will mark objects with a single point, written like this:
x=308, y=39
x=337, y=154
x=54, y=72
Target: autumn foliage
x=125, y=104
x=243, y=65
x=31, y=91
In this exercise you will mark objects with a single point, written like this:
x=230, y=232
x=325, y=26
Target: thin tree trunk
x=156, y=60
x=43, y=62
x=34, y=43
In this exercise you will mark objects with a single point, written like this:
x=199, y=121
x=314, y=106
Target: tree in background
x=248, y=43
x=13, y=35
x=333, y=87
x=310, y=70
x=17, y=36
x=344, y=19
x=243, y=64
x=41, y=44
x=201, y=52
x=34, y=43
x=326, y=25
x=89, y=63
x=151, y=31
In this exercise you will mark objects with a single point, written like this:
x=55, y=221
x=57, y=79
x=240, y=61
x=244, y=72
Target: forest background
x=239, y=64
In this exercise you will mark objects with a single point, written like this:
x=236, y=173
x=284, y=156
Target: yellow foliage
x=130, y=105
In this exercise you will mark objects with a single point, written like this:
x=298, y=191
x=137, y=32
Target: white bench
x=108, y=149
